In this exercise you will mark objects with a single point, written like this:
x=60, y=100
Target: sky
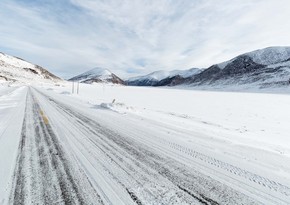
x=136, y=37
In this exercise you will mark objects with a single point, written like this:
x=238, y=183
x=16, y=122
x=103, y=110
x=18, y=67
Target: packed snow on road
x=110, y=144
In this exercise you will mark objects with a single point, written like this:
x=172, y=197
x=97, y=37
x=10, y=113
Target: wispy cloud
x=135, y=37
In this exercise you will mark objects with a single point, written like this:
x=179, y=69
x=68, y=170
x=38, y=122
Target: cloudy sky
x=134, y=37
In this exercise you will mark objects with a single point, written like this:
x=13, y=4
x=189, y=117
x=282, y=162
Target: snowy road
x=66, y=156
x=43, y=174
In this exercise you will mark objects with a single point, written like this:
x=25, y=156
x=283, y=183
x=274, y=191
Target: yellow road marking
x=45, y=119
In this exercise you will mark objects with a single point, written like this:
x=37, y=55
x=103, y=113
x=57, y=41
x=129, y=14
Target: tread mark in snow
x=191, y=194
x=134, y=197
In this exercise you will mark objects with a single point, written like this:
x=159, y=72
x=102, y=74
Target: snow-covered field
x=149, y=145
x=259, y=120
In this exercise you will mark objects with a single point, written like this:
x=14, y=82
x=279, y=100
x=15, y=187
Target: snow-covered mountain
x=269, y=67
x=14, y=69
x=97, y=75
x=154, y=78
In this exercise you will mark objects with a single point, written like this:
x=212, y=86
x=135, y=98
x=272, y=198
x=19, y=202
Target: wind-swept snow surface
x=128, y=145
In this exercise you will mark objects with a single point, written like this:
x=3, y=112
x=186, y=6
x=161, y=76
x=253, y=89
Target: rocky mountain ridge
x=14, y=69
x=269, y=67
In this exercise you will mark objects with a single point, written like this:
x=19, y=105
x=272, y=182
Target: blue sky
x=135, y=37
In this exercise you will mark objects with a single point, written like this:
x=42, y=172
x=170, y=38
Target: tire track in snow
x=262, y=181
x=44, y=174
x=255, y=178
x=19, y=191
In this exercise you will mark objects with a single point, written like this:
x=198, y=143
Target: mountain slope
x=97, y=75
x=14, y=69
x=266, y=56
x=263, y=68
x=269, y=67
x=156, y=78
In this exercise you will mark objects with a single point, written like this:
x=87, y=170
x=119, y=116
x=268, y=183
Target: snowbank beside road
x=12, y=105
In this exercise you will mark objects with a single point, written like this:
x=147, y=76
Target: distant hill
x=269, y=67
x=14, y=69
x=157, y=78
x=98, y=75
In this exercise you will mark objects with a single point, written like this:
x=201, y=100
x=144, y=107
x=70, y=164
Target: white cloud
x=137, y=37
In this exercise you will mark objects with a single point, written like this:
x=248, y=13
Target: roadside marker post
x=77, y=87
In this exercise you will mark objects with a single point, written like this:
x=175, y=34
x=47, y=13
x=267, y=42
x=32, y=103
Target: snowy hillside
x=264, y=68
x=266, y=56
x=154, y=78
x=13, y=69
x=98, y=75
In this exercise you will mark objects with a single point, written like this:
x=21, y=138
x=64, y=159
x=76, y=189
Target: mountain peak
x=98, y=74
x=98, y=71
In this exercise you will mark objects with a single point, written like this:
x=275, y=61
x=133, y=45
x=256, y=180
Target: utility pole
x=78, y=88
x=72, y=87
